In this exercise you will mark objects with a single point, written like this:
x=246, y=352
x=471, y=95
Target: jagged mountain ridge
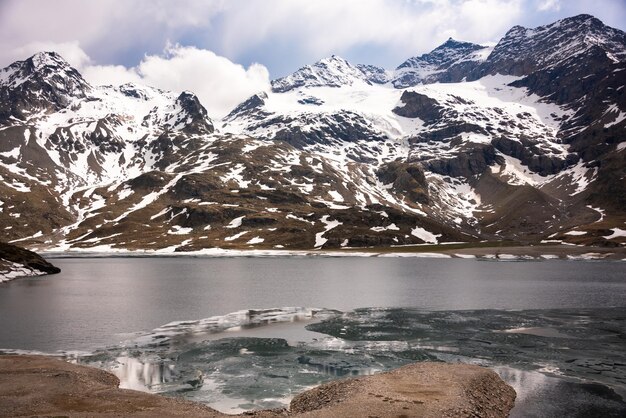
x=336, y=155
x=523, y=51
x=450, y=62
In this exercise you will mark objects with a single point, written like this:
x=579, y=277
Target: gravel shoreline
x=43, y=386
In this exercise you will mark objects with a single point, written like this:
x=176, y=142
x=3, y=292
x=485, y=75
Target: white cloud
x=108, y=29
x=110, y=75
x=218, y=82
x=549, y=5
x=326, y=26
x=487, y=19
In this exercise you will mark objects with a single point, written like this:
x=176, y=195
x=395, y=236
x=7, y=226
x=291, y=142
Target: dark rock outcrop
x=194, y=116
x=406, y=178
x=345, y=126
x=418, y=105
x=530, y=155
x=28, y=262
x=473, y=161
x=151, y=181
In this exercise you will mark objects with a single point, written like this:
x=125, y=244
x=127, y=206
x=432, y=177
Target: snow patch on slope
x=425, y=235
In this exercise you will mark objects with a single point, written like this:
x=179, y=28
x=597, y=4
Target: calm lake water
x=183, y=326
x=96, y=301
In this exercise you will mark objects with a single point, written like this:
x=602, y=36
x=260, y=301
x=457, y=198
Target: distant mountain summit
x=330, y=72
x=43, y=81
x=44, y=68
x=449, y=62
x=523, y=50
x=522, y=142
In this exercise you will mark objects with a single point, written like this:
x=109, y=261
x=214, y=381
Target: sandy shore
x=43, y=386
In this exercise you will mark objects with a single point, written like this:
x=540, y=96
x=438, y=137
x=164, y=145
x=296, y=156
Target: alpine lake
x=242, y=333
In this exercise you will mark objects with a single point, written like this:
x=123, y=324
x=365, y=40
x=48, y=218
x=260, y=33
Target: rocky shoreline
x=18, y=262
x=43, y=386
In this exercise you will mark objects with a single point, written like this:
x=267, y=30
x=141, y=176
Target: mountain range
x=523, y=141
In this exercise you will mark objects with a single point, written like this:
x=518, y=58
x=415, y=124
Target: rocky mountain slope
x=520, y=141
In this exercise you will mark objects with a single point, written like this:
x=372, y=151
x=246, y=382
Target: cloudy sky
x=226, y=50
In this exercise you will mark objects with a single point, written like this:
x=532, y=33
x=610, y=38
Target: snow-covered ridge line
x=336, y=72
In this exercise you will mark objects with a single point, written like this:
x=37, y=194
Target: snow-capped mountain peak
x=445, y=54
x=48, y=59
x=334, y=60
x=43, y=82
x=333, y=71
x=192, y=117
x=449, y=62
x=523, y=50
x=43, y=67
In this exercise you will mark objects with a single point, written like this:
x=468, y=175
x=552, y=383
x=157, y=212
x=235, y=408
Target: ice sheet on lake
x=219, y=362
x=231, y=322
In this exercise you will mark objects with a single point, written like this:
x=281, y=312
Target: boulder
x=36, y=385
